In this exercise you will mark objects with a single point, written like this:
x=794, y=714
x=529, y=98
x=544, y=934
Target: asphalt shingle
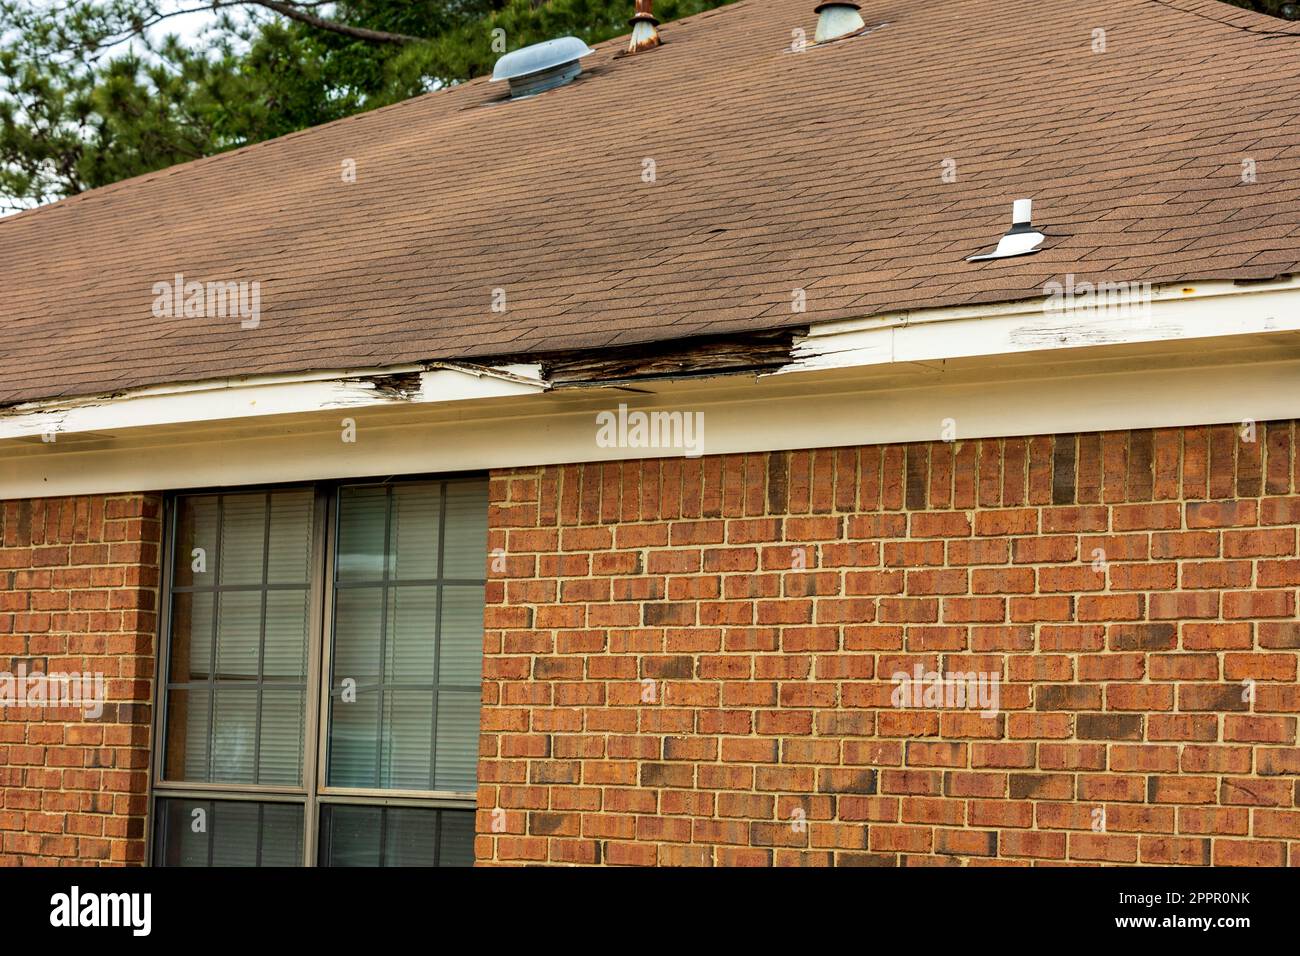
x=774, y=170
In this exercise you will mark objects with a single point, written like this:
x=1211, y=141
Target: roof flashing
x=1022, y=239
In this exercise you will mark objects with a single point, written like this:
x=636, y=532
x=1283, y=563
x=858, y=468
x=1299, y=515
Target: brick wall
x=78, y=592
x=1125, y=587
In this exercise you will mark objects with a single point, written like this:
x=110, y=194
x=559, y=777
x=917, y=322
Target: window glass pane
x=191, y=636
x=234, y=734
x=227, y=833
x=395, y=836
x=456, y=839
x=353, y=755
x=465, y=549
x=186, y=753
x=280, y=749
x=407, y=735
x=285, y=646
x=237, y=842
x=289, y=548
x=404, y=636
x=457, y=744
x=243, y=539
x=462, y=636
x=349, y=836
x=410, y=651
x=358, y=622
x=196, y=540
x=410, y=838
x=416, y=518
x=238, y=658
x=239, y=634
x=363, y=529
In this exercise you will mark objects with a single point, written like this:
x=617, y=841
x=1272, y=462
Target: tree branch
x=320, y=23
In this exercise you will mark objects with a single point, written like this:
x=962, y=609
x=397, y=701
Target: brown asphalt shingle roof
x=775, y=171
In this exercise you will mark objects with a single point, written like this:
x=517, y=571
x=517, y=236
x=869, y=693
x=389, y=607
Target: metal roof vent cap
x=542, y=66
x=835, y=20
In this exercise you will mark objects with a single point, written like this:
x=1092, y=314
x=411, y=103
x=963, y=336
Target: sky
x=190, y=25
x=187, y=26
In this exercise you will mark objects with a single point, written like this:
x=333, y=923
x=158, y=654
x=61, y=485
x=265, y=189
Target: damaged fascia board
x=1180, y=311
x=232, y=399
x=1209, y=311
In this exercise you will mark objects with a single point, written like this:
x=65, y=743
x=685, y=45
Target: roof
x=775, y=171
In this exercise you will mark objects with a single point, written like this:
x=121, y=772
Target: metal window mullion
x=212, y=651
x=437, y=634
x=411, y=582
x=317, y=702
x=448, y=801
x=261, y=825
x=383, y=631
x=421, y=582
x=162, y=662
x=174, y=792
x=437, y=838
x=212, y=829
x=225, y=588
x=261, y=656
x=234, y=682
x=160, y=814
x=298, y=685
x=325, y=839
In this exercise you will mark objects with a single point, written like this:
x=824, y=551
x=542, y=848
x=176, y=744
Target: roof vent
x=835, y=20
x=645, y=28
x=542, y=66
x=1021, y=239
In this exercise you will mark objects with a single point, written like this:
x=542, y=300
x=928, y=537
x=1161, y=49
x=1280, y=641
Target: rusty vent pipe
x=645, y=28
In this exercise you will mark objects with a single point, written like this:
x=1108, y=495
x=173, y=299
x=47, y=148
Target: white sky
x=187, y=26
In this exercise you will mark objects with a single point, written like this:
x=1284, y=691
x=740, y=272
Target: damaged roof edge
x=227, y=399
x=1219, y=310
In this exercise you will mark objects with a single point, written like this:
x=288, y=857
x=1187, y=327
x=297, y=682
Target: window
x=321, y=696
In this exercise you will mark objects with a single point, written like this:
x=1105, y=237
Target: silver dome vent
x=542, y=66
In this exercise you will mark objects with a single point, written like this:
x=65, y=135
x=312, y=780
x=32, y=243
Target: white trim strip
x=561, y=428
x=232, y=400
x=1213, y=310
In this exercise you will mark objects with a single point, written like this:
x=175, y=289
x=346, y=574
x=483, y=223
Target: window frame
x=312, y=792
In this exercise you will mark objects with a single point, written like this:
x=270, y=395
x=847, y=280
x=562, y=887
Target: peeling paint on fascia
x=1214, y=311
x=433, y=383
x=523, y=373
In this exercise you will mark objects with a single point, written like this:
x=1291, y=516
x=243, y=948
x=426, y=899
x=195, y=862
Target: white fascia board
x=743, y=416
x=1216, y=310
x=235, y=399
